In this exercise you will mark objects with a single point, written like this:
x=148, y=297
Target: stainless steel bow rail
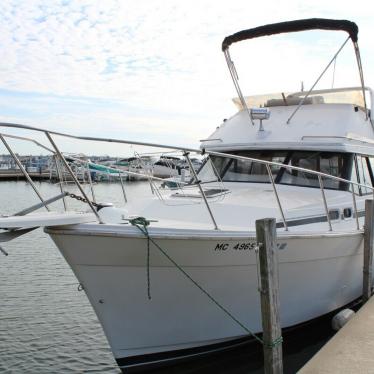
x=186, y=150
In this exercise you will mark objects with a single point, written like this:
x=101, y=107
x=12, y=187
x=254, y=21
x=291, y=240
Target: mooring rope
x=142, y=223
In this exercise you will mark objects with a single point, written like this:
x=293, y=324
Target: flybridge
x=288, y=27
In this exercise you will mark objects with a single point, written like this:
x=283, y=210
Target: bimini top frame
x=294, y=26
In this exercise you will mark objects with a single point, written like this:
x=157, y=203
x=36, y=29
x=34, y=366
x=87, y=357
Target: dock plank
x=351, y=350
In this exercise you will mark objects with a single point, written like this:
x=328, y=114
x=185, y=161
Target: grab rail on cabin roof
x=350, y=138
x=320, y=175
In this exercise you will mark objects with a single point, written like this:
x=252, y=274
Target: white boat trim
x=180, y=234
x=45, y=219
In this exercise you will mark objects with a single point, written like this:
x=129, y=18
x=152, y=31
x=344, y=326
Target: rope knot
x=140, y=221
x=274, y=343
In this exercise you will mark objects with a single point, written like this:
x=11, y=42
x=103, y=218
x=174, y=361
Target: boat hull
x=317, y=274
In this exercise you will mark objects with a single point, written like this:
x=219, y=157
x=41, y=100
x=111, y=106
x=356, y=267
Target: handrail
x=24, y=171
x=184, y=149
x=68, y=168
x=29, y=140
x=350, y=138
x=118, y=171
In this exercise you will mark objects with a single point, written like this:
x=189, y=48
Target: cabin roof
x=333, y=127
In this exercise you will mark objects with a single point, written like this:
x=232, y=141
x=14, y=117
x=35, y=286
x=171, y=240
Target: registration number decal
x=242, y=246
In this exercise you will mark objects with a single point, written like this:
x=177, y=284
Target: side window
x=354, y=177
x=370, y=161
x=363, y=173
x=333, y=164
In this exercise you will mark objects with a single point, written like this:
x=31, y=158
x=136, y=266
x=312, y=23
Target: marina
x=241, y=245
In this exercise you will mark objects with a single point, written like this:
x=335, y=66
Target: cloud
x=103, y=66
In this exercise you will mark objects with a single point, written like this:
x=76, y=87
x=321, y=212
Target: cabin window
x=363, y=174
x=332, y=163
x=353, y=176
x=248, y=171
x=325, y=162
x=212, y=169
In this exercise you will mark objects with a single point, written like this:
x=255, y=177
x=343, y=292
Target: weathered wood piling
x=368, y=251
x=269, y=290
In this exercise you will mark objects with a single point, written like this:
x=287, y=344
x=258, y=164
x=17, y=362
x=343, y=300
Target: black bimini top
x=293, y=26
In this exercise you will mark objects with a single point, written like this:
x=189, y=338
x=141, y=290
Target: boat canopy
x=348, y=95
x=293, y=26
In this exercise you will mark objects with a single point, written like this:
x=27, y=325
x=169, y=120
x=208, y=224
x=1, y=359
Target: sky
x=154, y=71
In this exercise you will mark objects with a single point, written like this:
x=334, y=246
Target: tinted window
x=363, y=174
x=336, y=164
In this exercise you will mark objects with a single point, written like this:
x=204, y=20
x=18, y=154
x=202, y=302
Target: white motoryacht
x=171, y=276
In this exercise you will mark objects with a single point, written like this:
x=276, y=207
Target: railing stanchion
x=355, y=207
x=325, y=202
x=90, y=181
x=59, y=175
x=186, y=154
x=76, y=181
x=122, y=186
x=277, y=197
x=23, y=170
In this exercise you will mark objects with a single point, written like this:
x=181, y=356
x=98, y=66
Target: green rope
x=274, y=343
x=141, y=223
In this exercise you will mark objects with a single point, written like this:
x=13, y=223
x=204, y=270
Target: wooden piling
x=368, y=251
x=269, y=289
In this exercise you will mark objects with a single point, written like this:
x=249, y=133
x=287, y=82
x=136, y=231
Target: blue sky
x=153, y=70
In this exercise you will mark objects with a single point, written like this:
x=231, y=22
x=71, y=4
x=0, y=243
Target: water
x=48, y=326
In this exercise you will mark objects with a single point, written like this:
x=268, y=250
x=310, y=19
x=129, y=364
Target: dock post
x=269, y=289
x=368, y=251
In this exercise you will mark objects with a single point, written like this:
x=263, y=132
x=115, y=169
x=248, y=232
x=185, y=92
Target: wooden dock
x=350, y=350
x=8, y=175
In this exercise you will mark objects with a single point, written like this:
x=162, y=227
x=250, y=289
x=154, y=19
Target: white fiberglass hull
x=318, y=274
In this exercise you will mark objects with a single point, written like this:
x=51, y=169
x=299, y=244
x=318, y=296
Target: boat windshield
x=350, y=95
x=332, y=163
